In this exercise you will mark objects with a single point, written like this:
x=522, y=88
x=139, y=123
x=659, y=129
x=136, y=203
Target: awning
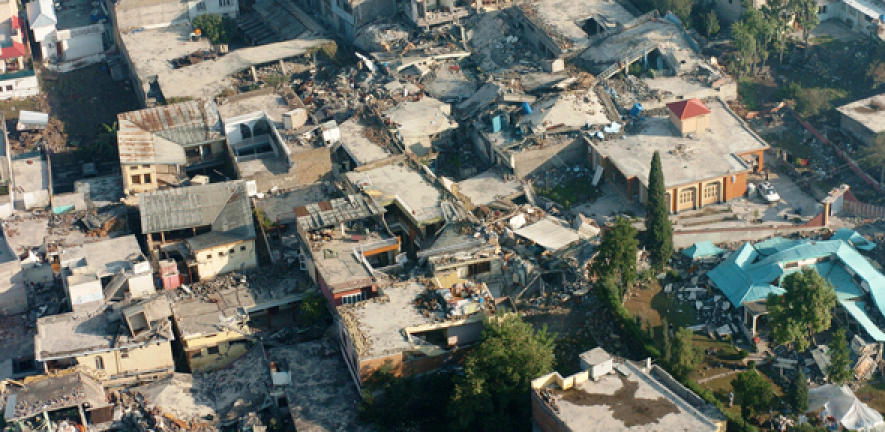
x=855, y=309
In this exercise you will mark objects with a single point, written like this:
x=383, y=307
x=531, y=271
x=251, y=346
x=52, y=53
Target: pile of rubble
x=457, y=302
x=277, y=279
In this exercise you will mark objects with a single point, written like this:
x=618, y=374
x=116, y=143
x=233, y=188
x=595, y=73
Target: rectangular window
x=147, y=179
x=242, y=248
x=223, y=3
x=201, y=7
x=124, y=354
x=136, y=179
x=212, y=350
x=220, y=254
x=353, y=298
x=99, y=363
x=791, y=265
x=146, y=166
x=230, y=251
x=822, y=10
x=479, y=268
x=9, y=88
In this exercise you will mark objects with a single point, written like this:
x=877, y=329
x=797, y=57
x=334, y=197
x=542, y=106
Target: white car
x=767, y=192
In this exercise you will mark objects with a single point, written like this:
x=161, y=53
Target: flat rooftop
x=572, y=110
x=710, y=154
x=423, y=118
x=75, y=333
x=335, y=261
x=562, y=19
x=152, y=51
x=377, y=326
x=619, y=403
x=281, y=207
x=323, y=396
x=209, y=78
x=198, y=317
x=254, y=290
x=662, y=35
x=355, y=141
x=489, y=186
x=74, y=14
x=266, y=100
x=24, y=231
x=450, y=83
x=869, y=112
x=397, y=183
x=104, y=257
x=31, y=174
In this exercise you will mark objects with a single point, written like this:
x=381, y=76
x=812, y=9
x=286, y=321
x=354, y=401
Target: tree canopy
x=659, y=230
x=616, y=258
x=804, y=310
x=493, y=394
x=684, y=356
x=753, y=392
x=219, y=29
x=412, y=403
x=806, y=17
x=839, y=369
x=798, y=394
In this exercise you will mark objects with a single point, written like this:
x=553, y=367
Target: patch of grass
x=11, y=108
x=813, y=101
x=790, y=141
x=569, y=193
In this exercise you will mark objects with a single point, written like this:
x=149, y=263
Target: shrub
x=218, y=28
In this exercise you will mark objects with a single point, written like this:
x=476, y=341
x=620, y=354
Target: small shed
x=31, y=120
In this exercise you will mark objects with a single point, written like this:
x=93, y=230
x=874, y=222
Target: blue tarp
x=702, y=250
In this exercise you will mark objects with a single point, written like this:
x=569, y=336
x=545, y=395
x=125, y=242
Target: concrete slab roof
x=281, y=207
x=869, y=112
x=151, y=51
x=266, y=100
x=31, y=174
x=75, y=14
x=105, y=257
x=397, y=183
x=322, y=397
x=611, y=404
x=202, y=317
x=488, y=186
x=450, y=83
x=360, y=148
x=210, y=78
x=562, y=19
x=78, y=333
x=383, y=322
x=573, y=110
x=423, y=118
x=710, y=154
x=341, y=270
x=633, y=43
x=550, y=233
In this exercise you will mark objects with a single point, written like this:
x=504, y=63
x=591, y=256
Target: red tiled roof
x=687, y=109
x=16, y=50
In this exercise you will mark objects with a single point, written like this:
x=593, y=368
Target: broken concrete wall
x=210, y=358
x=536, y=160
x=13, y=291
x=861, y=132
x=535, y=37
x=367, y=11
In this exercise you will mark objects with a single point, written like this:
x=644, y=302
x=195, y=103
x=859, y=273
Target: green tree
x=804, y=310
x=680, y=8
x=798, y=394
x=745, y=40
x=413, y=403
x=616, y=257
x=874, y=155
x=806, y=16
x=219, y=29
x=685, y=357
x=493, y=394
x=312, y=309
x=711, y=23
x=753, y=392
x=839, y=369
x=658, y=229
x=776, y=12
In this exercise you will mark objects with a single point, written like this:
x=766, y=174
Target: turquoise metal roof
x=702, y=250
x=775, y=245
x=856, y=240
x=856, y=310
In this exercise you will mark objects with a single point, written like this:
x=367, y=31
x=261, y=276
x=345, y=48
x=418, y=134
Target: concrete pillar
x=82, y=415
x=254, y=73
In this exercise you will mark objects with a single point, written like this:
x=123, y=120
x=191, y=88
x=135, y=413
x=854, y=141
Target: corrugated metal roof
x=158, y=135
x=224, y=206
x=330, y=213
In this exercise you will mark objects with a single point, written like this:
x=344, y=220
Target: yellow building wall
x=196, y=343
x=151, y=357
x=140, y=171
x=200, y=360
x=220, y=259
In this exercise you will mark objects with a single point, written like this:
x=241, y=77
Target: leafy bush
x=218, y=28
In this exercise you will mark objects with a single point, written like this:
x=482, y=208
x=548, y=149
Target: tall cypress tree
x=659, y=231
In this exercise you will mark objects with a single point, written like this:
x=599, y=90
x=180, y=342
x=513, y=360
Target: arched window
x=245, y=131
